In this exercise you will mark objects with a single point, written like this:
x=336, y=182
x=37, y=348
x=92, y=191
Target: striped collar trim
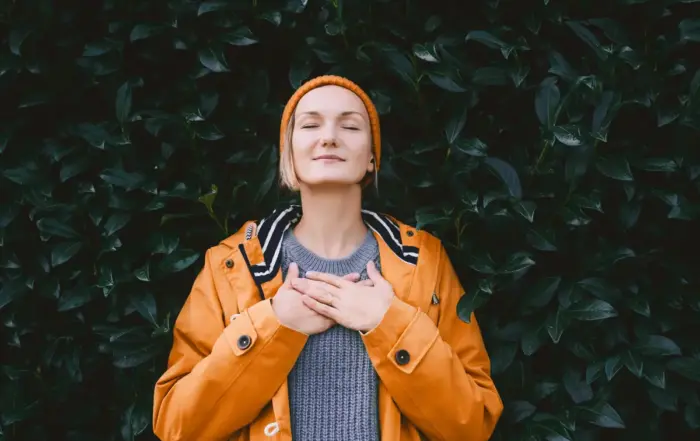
x=271, y=229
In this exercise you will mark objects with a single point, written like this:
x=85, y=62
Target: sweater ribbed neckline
x=307, y=260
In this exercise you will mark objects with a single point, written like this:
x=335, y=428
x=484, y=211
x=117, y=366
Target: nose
x=328, y=137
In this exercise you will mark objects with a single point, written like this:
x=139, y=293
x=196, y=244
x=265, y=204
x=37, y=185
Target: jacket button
x=402, y=357
x=243, y=342
x=410, y=233
x=229, y=263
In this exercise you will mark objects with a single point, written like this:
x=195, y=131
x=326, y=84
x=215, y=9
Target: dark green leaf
x=446, y=83
x=63, y=252
x=73, y=167
x=472, y=147
x=657, y=165
x=242, y=36
x=507, y=173
x=633, y=363
x=555, y=325
x=54, y=227
x=657, y=346
x=577, y=388
x=145, y=304
x=455, y=125
x=587, y=37
x=11, y=290
x=516, y=262
x=178, y=260
x=692, y=416
x=143, y=31
x=526, y=209
x=74, y=298
x=213, y=60
x=123, y=102
x=569, y=135
x=542, y=292
x=486, y=38
x=468, y=303
x=547, y=101
x=207, y=131
x=426, y=53
x=591, y=310
x=605, y=416
x=615, y=168
x=520, y=410
x=686, y=367
x=613, y=366
x=663, y=399
x=655, y=374
x=690, y=29
x=541, y=240
x=116, y=222
x=600, y=288
x=122, y=178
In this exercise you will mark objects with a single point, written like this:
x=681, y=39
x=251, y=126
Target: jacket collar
x=271, y=229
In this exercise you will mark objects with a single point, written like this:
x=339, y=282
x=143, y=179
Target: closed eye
x=351, y=128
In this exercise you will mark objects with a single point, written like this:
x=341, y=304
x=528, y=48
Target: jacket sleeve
x=220, y=377
x=439, y=376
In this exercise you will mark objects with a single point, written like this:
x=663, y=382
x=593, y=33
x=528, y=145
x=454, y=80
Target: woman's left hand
x=351, y=304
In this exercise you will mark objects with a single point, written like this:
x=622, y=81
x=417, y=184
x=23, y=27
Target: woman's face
x=331, y=139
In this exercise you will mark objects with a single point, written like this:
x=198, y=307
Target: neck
x=331, y=225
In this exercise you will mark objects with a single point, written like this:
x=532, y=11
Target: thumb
x=374, y=275
x=292, y=272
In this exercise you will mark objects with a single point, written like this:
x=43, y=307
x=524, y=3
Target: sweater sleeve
x=220, y=377
x=439, y=376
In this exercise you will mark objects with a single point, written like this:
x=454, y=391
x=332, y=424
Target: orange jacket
x=227, y=371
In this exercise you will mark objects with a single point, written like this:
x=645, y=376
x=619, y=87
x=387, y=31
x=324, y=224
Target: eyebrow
x=346, y=113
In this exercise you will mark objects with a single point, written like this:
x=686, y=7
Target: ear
x=370, y=167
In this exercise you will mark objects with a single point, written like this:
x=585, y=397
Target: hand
x=354, y=305
x=292, y=313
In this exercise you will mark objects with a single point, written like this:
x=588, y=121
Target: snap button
x=402, y=357
x=243, y=342
x=229, y=263
x=409, y=233
x=272, y=429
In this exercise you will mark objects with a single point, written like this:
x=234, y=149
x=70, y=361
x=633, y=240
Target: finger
x=321, y=296
x=320, y=308
x=328, y=278
x=352, y=277
x=374, y=274
x=292, y=272
x=366, y=282
x=308, y=286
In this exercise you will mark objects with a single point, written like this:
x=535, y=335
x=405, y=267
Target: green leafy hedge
x=552, y=145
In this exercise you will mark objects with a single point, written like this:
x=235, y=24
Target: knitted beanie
x=326, y=80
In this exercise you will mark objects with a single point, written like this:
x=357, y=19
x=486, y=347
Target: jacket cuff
x=258, y=325
x=402, y=338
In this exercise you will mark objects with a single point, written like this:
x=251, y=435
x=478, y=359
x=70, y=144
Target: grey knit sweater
x=333, y=385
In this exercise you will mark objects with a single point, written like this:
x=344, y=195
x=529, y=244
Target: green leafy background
x=552, y=145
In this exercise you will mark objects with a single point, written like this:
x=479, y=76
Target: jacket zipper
x=249, y=231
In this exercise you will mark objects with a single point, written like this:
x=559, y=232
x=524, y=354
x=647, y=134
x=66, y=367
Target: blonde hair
x=288, y=175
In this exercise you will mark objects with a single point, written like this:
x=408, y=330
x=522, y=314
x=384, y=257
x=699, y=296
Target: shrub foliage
x=552, y=145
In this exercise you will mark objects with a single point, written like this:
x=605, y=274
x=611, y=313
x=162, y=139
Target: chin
x=318, y=181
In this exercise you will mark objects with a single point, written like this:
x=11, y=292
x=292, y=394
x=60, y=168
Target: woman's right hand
x=291, y=311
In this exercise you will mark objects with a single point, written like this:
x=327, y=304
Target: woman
x=291, y=330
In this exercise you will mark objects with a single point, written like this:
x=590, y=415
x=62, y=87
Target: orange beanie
x=347, y=84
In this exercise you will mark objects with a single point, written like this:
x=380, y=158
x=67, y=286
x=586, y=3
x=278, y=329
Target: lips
x=329, y=157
